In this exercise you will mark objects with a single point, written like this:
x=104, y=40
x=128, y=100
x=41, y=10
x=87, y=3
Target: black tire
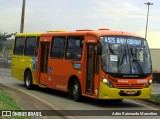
x=70, y=94
x=119, y=100
x=76, y=91
x=28, y=80
x=116, y=100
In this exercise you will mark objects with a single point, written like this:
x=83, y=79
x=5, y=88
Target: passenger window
x=31, y=48
x=74, y=48
x=58, y=45
x=19, y=45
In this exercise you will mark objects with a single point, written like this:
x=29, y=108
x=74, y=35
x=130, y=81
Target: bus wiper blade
x=136, y=61
x=120, y=64
x=138, y=65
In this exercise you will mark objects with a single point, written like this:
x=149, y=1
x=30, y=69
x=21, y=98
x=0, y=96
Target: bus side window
x=31, y=46
x=74, y=48
x=58, y=45
x=19, y=45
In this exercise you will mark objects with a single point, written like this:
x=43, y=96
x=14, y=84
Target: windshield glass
x=125, y=55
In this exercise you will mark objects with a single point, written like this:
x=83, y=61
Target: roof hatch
x=85, y=30
x=104, y=29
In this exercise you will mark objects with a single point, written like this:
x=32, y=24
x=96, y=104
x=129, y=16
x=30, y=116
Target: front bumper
x=113, y=93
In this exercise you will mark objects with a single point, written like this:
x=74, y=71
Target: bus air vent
x=129, y=86
x=103, y=29
x=57, y=31
x=85, y=30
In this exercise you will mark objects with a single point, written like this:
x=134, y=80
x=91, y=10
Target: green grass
x=7, y=103
x=155, y=97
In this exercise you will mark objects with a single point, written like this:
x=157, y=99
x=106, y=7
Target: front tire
x=76, y=91
x=116, y=100
x=28, y=80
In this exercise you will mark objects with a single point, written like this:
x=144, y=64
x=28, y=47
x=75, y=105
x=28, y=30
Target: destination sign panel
x=122, y=40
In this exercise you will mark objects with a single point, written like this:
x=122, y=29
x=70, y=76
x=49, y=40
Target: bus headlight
x=149, y=83
x=107, y=82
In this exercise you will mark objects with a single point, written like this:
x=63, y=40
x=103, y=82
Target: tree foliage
x=4, y=36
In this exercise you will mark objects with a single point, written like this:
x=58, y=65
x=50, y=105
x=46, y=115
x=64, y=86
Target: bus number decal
x=76, y=66
x=142, y=81
x=122, y=81
x=91, y=41
x=61, y=87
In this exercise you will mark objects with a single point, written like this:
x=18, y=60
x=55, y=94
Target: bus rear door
x=43, y=62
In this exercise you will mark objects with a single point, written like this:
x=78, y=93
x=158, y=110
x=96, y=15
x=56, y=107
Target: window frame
x=82, y=38
x=64, y=48
x=24, y=38
x=35, y=47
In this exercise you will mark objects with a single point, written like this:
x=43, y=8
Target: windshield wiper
x=138, y=65
x=110, y=49
x=136, y=61
x=121, y=61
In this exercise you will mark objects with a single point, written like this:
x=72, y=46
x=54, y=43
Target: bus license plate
x=130, y=92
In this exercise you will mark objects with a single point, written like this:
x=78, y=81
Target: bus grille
x=129, y=86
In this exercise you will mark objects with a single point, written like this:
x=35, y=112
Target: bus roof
x=97, y=33
x=28, y=34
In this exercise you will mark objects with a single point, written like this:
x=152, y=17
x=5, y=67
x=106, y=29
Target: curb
x=151, y=101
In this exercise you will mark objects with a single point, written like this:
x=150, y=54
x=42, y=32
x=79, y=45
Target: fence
x=5, y=58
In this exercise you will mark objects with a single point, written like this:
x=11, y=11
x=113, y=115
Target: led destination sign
x=122, y=40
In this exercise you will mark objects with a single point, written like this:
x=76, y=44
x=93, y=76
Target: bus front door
x=90, y=69
x=44, y=52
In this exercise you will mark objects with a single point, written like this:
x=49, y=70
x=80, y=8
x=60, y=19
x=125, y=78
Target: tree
x=4, y=36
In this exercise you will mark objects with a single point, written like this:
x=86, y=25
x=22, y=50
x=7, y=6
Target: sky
x=70, y=15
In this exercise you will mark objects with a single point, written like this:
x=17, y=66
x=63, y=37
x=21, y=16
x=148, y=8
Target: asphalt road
x=59, y=100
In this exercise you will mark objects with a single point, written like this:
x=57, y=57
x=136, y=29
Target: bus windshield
x=125, y=55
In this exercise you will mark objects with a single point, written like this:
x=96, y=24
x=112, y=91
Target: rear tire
x=28, y=80
x=76, y=91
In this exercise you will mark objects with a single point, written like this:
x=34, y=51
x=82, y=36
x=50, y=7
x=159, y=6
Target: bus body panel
x=20, y=64
x=59, y=73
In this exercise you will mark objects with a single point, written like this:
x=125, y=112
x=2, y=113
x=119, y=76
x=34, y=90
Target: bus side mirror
x=99, y=50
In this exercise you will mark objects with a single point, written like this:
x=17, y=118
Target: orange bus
x=100, y=64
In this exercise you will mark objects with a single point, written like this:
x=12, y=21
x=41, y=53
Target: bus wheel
x=116, y=100
x=76, y=90
x=28, y=80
